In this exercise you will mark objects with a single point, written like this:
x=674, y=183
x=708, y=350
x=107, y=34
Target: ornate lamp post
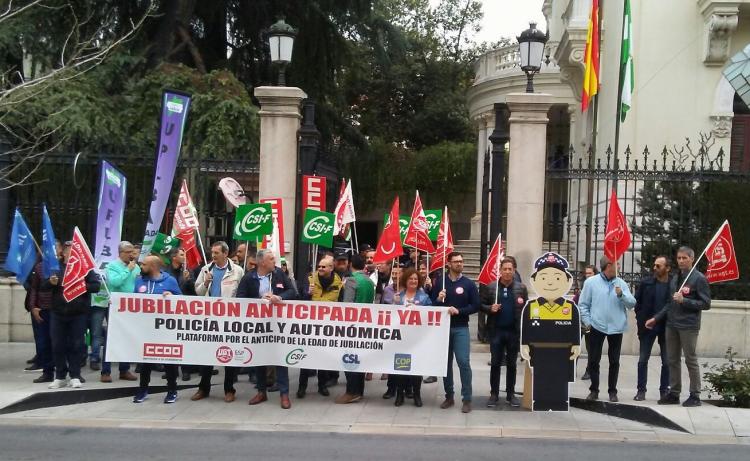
x=281, y=41
x=531, y=45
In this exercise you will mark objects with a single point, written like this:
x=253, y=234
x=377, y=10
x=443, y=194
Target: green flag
x=626, y=63
x=318, y=228
x=252, y=221
x=433, y=222
x=403, y=222
x=163, y=246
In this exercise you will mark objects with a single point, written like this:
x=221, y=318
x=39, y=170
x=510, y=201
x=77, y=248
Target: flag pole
x=618, y=111
x=203, y=251
x=445, y=242
x=497, y=267
x=703, y=253
x=354, y=231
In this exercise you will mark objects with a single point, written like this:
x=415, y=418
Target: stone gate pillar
x=279, y=121
x=526, y=176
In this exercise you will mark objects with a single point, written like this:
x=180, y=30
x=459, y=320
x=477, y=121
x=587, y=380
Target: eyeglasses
x=457, y=261
x=322, y=267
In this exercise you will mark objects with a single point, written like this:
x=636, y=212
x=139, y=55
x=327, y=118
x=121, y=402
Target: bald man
x=154, y=281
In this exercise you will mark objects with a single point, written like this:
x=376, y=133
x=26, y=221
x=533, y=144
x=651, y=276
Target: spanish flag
x=591, y=58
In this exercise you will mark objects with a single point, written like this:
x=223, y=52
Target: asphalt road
x=80, y=444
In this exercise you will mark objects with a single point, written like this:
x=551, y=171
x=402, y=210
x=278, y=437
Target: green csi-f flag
x=318, y=228
x=163, y=246
x=403, y=222
x=253, y=221
x=626, y=63
x=433, y=222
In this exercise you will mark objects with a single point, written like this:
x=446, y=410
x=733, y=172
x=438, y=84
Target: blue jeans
x=43, y=342
x=459, y=344
x=107, y=366
x=282, y=379
x=646, y=344
x=68, y=346
x=97, y=333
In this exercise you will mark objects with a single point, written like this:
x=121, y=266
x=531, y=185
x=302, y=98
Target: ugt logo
x=402, y=362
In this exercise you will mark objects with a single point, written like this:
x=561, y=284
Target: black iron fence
x=71, y=194
x=670, y=198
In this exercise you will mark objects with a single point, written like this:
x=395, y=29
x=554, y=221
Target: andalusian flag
x=626, y=63
x=591, y=58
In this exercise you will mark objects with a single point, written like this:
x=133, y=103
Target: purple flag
x=174, y=110
x=112, y=188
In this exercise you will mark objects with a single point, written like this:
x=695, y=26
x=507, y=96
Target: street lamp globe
x=531, y=47
x=281, y=42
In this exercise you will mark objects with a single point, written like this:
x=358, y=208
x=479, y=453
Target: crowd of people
x=667, y=309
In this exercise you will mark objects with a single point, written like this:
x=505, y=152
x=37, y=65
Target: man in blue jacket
x=604, y=302
x=462, y=297
x=270, y=283
x=652, y=295
x=154, y=281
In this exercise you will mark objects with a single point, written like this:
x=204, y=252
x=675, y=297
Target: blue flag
x=50, y=264
x=21, y=253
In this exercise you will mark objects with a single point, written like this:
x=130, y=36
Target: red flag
x=80, y=263
x=344, y=210
x=193, y=256
x=185, y=215
x=417, y=234
x=617, y=234
x=722, y=260
x=444, y=243
x=389, y=245
x=491, y=269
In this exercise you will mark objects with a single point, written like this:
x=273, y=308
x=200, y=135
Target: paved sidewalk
x=706, y=424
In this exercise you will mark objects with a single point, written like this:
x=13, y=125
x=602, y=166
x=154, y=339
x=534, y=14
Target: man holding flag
x=690, y=297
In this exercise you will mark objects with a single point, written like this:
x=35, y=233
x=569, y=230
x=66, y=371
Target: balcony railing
x=503, y=61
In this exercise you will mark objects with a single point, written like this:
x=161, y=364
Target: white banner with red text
x=201, y=330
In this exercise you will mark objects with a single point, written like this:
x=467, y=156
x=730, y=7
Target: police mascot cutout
x=551, y=334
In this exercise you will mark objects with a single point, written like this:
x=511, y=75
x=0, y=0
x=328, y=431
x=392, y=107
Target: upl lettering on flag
x=253, y=221
x=318, y=228
x=314, y=193
x=434, y=217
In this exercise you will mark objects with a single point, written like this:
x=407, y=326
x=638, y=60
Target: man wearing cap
x=604, y=302
x=551, y=334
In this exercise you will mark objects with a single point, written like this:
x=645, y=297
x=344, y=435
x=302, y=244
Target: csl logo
x=402, y=362
x=350, y=361
x=316, y=227
x=173, y=351
x=295, y=356
x=224, y=354
x=252, y=221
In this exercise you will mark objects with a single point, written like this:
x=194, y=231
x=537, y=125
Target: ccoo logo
x=316, y=227
x=252, y=221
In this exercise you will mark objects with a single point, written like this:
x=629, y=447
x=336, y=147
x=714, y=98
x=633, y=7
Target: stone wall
x=726, y=324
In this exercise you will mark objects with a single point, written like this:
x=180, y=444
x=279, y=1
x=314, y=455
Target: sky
x=508, y=18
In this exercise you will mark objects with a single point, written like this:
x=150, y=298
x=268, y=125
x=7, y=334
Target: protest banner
x=318, y=228
x=201, y=330
x=253, y=221
x=109, y=215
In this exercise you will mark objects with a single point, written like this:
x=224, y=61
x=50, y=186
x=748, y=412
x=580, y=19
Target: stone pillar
x=279, y=121
x=526, y=176
x=481, y=149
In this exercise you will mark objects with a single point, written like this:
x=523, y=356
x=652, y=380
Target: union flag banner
x=417, y=235
x=491, y=269
x=80, y=263
x=722, y=260
x=444, y=243
x=389, y=245
x=616, y=234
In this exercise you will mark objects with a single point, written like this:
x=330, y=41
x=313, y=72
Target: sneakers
x=57, y=384
x=171, y=397
x=32, y=368
x=44, y=378
x=669, y=399
x=593, y=396
x=640, y=396
x=76, y=383
x=141, y=395
x=613, y=397
x=492, y=401
x=513, y=401
x=348, y=398
x=692, y=401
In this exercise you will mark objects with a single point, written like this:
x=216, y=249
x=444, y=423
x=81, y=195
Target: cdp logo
x=173, y=351
x=350, y=361
x=402, y=362
x=295, y=356
x=224, y=354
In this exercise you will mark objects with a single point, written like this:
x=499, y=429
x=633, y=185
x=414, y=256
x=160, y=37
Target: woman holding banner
x=412, y=295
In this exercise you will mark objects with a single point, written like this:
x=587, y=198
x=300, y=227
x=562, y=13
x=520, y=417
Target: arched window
x=739, y=155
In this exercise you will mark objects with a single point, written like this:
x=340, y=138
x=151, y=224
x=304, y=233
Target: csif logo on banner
x=253, y=221
x=316, y=227
x=295, y=356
